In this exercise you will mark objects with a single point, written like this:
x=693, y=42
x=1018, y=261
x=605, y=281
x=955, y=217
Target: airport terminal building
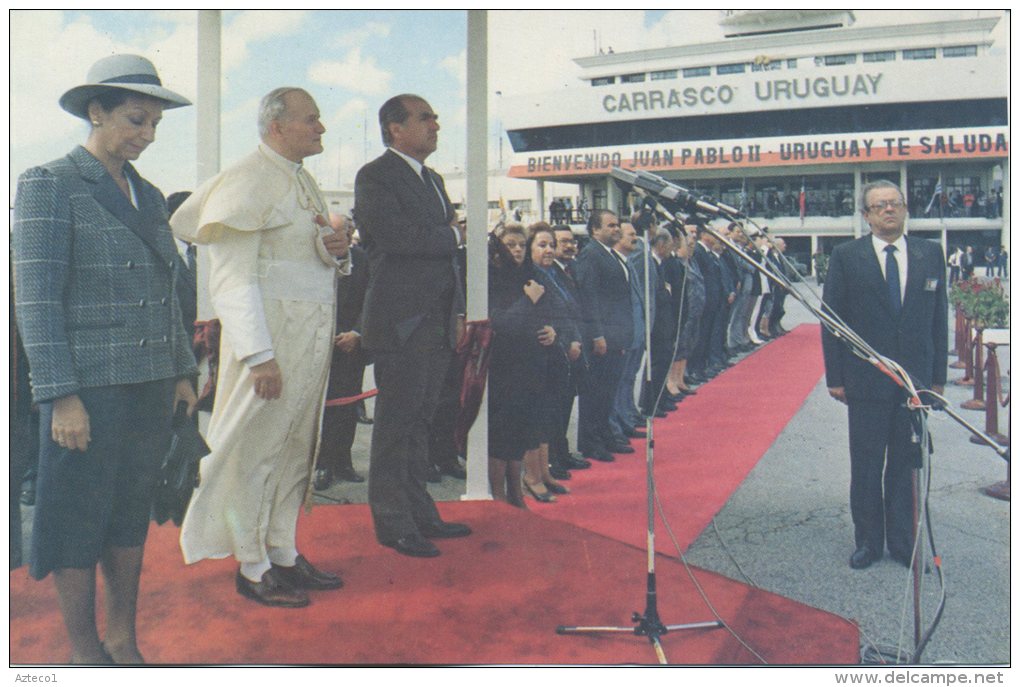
x=786, y=118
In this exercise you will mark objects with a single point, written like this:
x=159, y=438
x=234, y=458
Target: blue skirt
x=86, y=501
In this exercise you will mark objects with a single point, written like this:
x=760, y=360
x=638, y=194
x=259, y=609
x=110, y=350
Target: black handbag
x=178, y=475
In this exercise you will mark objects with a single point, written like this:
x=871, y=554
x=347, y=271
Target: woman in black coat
x=517, y=364
x=565, y=349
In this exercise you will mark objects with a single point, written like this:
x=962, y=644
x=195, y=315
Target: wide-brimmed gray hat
x=126, y=72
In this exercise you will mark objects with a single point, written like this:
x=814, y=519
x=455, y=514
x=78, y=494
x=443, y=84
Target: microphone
x=673, y=193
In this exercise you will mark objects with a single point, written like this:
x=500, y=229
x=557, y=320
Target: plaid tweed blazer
x=95, y=280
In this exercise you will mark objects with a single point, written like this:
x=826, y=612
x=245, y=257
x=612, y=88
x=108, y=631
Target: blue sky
x=350, y=61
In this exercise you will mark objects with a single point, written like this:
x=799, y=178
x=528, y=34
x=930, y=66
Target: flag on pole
x=936, y=194
x=802, y=201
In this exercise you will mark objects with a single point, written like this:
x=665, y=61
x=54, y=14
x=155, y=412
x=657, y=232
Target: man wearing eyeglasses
x=890, y=289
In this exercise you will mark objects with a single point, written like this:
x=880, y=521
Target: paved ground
x=787, y=529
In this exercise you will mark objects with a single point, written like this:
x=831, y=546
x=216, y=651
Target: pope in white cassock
x=273, y=263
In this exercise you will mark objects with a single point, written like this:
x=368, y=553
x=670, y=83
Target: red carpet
x=703, y=450
x=493, y=598
x=496, y=597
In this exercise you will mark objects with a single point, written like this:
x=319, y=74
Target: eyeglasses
x=894, y=204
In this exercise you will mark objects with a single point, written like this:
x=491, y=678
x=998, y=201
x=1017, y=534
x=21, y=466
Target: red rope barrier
x=348, y=400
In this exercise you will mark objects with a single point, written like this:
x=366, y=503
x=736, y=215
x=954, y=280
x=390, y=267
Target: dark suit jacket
x=709, y=266
x=96, y=280
x=917, y=339
x=605, y=291
x=412, y=250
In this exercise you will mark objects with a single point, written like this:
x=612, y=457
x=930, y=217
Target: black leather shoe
x=414, y=545
x=636, y=434
x=862, y=558
x=661, y=414
x=455, y=471
x=304, y=575
x=433, y=476
x=600, y=454
x=349, y=475
x=271, y=591
x=621, y=448
x=444, y=530
x=573, y=463
x=559, y=472
x=323, y=479
x=363, y=417
x=667, y=405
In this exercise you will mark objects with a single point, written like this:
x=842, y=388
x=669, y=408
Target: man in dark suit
x=560, y=458
x=890, y=289
x=603, y=278
x=708, y=264
x=414, y=313
x=346, y=372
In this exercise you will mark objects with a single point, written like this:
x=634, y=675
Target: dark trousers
x=778, y=310
x=564, y=393
x=339, y=423
x=442, y=442
x=595, y=401
x=699, y=358
x=717, y=344
x=882, y=456
x=410, y=380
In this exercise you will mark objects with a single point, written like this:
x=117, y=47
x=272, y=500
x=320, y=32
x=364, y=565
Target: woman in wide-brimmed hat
x=96, y=270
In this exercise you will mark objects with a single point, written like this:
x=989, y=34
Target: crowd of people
x=572, y=323
x=964, y=260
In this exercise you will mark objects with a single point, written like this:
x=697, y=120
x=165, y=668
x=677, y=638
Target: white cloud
x=253, y=26
x=354, y=73
x=456, y=65
x=50, y=54
x=362, y=34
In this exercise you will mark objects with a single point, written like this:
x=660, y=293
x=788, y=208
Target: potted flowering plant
x=984, y=302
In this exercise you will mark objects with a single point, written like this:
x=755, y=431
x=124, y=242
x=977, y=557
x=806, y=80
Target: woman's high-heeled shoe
x=544, y=496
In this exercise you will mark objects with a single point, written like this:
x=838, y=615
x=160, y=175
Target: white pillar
x=207, y=139
x=543, y=211
x=477, y=222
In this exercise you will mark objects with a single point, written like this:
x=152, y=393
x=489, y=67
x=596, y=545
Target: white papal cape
x=271, y=291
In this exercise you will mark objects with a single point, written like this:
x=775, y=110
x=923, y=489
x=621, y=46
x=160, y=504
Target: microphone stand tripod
x=648, y=624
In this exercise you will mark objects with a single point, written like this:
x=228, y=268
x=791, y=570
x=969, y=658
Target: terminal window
x=632, y=78
x=831, y=60
x=919, y=54
x=603, y=81
x=881, y=56
x=731, y=68
x=960, y=51
x=663, y=75
x=697, y=71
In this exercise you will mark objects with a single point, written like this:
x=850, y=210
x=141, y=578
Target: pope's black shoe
x=304, y=575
